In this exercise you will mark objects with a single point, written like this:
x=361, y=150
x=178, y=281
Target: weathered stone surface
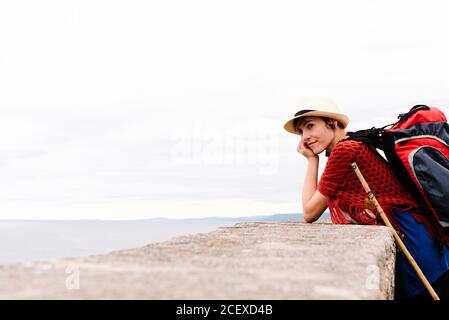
x=284, y=260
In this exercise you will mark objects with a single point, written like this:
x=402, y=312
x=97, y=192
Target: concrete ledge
x=256, y=260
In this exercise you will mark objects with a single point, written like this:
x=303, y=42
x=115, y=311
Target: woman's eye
x=309, y=126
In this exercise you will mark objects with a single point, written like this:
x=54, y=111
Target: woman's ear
x=334, y=124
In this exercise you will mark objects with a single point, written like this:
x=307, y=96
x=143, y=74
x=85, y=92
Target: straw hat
x=317, y=107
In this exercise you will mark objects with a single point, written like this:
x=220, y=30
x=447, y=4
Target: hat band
x=302, y=112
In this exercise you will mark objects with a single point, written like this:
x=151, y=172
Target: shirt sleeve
x=338, y=167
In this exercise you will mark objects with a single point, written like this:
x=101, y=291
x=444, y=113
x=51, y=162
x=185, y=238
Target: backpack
x=417, y=150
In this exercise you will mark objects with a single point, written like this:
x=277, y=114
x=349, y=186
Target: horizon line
x=153, y=218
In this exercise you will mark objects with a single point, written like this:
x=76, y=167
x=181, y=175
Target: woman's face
x=316, y=134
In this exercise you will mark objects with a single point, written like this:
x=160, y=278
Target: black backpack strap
x=371, y=137
x=404, y=116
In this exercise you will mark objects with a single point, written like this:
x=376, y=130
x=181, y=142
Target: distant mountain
x=277, y=217
x=274, y=217
x=287, y=217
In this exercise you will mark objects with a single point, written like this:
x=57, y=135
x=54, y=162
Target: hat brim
x=344, y=120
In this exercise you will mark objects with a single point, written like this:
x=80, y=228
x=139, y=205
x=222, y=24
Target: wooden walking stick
x=401, y=244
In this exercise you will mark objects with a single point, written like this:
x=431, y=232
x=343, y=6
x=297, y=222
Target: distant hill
x=274, y=217
x=287, y=217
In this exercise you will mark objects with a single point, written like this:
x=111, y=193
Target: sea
x=37, y=240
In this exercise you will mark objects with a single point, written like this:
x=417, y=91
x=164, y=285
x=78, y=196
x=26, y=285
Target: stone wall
x=255, y=260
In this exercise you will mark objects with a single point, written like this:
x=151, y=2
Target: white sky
x=141, y=109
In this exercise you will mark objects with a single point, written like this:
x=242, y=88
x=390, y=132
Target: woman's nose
x=305, y=136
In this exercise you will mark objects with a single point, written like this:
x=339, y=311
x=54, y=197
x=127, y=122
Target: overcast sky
x=141, y=109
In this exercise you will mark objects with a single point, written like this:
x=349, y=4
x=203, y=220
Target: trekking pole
x=401, y=244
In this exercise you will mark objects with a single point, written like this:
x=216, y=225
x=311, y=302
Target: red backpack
x=417, y=150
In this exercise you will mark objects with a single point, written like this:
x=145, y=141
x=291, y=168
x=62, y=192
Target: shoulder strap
x=404, y=116
x=372, y=137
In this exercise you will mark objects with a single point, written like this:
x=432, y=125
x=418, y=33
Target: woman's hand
x=305, y=150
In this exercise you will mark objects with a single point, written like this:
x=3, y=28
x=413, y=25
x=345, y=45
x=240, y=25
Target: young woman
x=322, y=128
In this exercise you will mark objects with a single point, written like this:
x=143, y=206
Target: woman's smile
x=312, y=143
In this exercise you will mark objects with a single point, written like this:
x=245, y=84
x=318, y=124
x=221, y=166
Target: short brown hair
x=329, y=123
